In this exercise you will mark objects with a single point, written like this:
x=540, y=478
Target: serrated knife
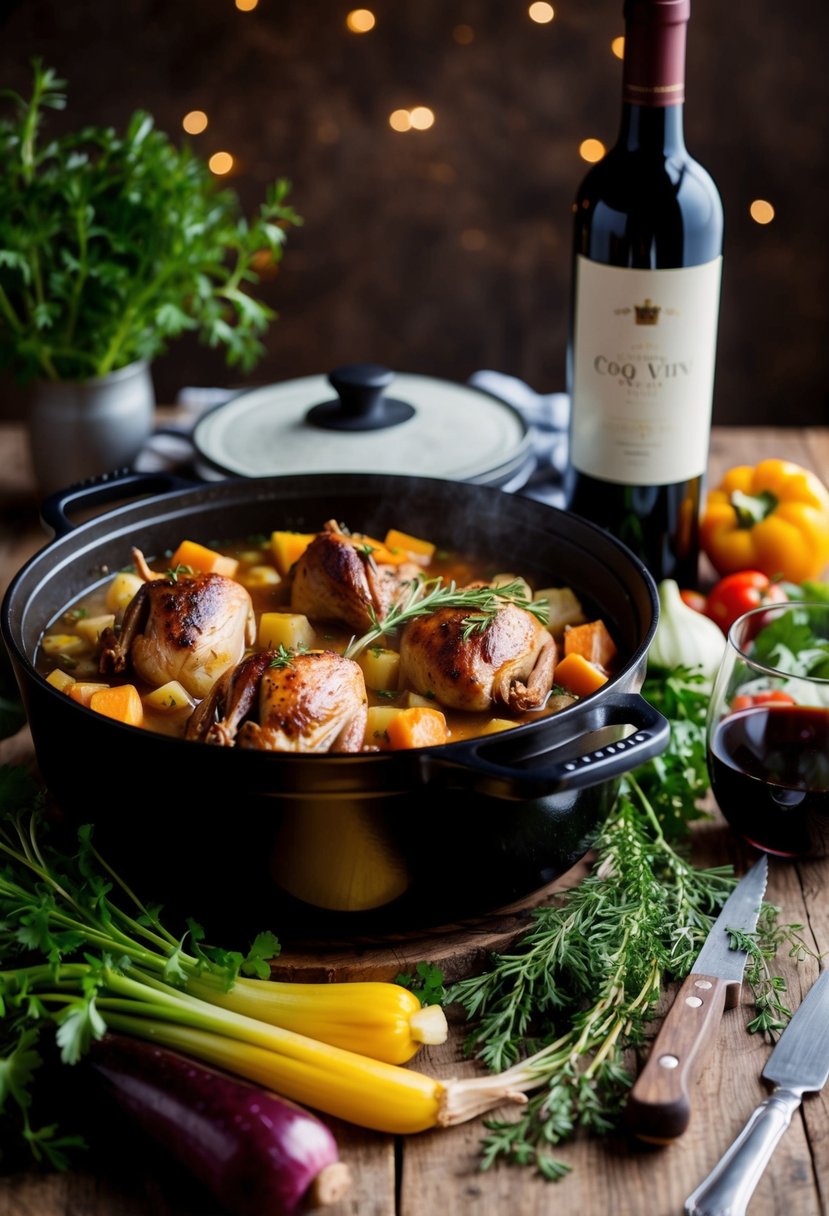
x=798, y=1064
x=659, y=1104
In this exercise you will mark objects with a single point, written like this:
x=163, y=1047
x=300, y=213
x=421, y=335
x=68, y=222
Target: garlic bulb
x=684, y=637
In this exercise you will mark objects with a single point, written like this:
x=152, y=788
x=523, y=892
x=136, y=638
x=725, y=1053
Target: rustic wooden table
x=439, y=1171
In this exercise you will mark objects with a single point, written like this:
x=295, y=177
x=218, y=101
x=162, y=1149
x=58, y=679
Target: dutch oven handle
x=107, y=487
x=470, y=763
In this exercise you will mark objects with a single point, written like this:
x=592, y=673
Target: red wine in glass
x=769, y=770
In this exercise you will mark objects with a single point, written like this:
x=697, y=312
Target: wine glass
x=768, y=729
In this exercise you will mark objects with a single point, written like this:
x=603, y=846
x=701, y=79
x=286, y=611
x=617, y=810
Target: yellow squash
x=367, y=1092
x=374, y=1018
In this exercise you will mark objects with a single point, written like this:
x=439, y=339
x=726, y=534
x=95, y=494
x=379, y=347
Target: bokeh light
x=195, y=122
x=463, y=34
x=360, y=20
x=617, y=46
x=220, y=163
x=761, y=211
x=246, y=6
x=421, y=118
x=541, y=12
x=591, y=150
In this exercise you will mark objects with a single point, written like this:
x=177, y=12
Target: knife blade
x=659, y=1104
x=798, y=1064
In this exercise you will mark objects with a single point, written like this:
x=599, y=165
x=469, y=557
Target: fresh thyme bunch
x=582, y=985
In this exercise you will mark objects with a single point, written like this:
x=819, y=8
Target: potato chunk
x=121, y=590
x=170, y=698
x=381, y=667
x=91, y=627
x=292, y=630
x=62, y=643
x=563, y=608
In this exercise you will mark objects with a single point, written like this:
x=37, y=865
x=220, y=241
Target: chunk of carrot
x=121, y=702
x=83, y=691
x=418, y=727
x=288, y=547
x=378, y=550
x=591, y=640
x=203, y=560
x=579, y=675
x=419, y=550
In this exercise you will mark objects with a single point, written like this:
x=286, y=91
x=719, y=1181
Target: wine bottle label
x=644, y=346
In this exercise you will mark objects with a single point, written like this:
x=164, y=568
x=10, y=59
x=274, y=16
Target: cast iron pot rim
x=316, y=482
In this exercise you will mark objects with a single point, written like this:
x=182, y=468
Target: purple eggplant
x=257, y=1154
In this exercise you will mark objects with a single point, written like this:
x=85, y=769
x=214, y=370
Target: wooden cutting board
x=458, y=949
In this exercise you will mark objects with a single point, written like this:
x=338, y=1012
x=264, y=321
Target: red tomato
x=738, y=593
x=694, y=599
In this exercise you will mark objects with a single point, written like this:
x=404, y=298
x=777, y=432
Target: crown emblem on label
x=647, y=313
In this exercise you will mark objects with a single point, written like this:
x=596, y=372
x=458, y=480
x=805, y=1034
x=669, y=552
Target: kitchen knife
x=799, y=1062
x=659, y=1104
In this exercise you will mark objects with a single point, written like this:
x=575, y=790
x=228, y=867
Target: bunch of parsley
x=111, y=245
x=75, y=942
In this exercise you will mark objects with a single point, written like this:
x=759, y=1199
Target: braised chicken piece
x=509, y=662
x=309, y=702
x=337, y=579
x=189, y=628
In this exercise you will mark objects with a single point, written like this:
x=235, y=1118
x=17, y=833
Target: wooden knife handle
x=659, y=1104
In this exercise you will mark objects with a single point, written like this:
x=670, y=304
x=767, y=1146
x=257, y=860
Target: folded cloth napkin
x=546, y=414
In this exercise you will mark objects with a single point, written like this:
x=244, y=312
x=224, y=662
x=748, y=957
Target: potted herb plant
x=111, y=246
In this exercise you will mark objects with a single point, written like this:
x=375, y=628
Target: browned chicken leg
x=187, y=628
x=510, y=662
x=312, y=702
x=337, y=579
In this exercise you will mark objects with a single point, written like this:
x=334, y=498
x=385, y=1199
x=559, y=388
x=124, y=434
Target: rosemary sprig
x=425, y=596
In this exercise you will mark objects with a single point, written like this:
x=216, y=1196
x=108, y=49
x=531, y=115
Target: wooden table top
x=439, y=1171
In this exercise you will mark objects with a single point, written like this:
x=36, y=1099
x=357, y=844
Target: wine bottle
x=644, y=312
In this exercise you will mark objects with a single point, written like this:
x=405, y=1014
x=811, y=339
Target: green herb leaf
x=285, y=655
x=113, y=244
x=264, y=949
x=426, y=984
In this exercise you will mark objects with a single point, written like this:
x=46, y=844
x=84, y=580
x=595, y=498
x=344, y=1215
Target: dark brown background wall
x=447, y=250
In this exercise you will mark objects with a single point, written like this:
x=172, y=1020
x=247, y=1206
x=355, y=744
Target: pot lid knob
x=361, y=404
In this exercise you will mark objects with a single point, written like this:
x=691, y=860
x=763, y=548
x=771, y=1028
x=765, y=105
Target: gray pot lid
x=363, y=418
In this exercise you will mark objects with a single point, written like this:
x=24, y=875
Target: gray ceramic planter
x=80, y=428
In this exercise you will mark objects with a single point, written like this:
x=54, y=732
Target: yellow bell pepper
x=773, y=517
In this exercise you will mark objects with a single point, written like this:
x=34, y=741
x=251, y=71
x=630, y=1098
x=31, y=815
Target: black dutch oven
x=340, y=844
